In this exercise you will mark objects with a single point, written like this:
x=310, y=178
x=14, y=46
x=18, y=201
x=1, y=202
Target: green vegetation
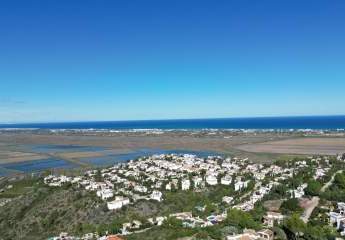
x=336, y=192
x=182, y=201
x=278, y=192
x=39, y=211
x=19, y=187
x=241, y=220
x=43, y=211
x=313, y=188
x=295, y=228
x=319, y=217
x=172, y=229
x=290, y=206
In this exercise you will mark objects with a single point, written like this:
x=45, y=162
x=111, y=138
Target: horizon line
x=172, y=119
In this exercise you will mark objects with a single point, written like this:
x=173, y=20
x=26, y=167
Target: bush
x=313, y=188
x=339, y=181
x=290, y=205
x=295, y=225
x=240, y=219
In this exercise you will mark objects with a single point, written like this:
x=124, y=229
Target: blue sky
x=68, y=60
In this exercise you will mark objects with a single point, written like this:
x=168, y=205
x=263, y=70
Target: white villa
x=239, y=185
x=185, y=184
x=118, y=203
x=226, y=180
x=156, y=195
x=211, y=180
x=105, y=193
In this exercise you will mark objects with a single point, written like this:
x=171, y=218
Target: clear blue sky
x=68, y=60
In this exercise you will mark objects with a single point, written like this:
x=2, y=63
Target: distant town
x=285, y=194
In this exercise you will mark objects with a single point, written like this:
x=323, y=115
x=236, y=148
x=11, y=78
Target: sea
x=299, y=122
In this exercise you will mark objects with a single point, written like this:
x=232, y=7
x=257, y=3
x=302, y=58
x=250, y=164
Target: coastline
x=258, y=123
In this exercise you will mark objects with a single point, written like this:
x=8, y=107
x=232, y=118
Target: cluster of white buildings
x=148, y=178
x=58, y=181
x=337, y=217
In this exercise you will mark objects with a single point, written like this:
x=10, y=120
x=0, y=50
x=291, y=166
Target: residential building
x=226, y=180
x=273, y=217
x=211, y=180
x=156, y=195
x=185, y=184
x=118, y=203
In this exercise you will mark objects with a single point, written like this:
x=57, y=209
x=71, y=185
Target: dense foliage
x=336, y=192
x=313, y=188
x=291, y=206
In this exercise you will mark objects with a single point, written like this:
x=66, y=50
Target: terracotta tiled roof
x=114, y=237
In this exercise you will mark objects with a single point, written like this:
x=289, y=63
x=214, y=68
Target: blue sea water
x=309, y=122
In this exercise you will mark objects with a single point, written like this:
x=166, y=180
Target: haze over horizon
x=342, y=116
x=64, y=61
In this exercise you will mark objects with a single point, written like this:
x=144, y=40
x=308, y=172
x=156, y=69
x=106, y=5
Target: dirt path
x=329, y=183
x=309, y=210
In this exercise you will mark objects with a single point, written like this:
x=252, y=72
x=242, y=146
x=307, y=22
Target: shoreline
x=284, y=123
